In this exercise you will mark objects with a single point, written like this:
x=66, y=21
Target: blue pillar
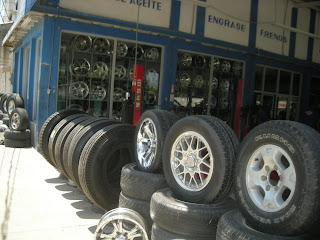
x=175, y=14
x=201, y=15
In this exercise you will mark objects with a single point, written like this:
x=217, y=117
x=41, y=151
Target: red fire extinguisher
x=137, y=87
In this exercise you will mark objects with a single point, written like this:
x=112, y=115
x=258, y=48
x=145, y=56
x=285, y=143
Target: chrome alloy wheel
x=121, y=224
x=11, y=106
x=191, y=161
x=270, y=178
x=15, y=121
x=147, y=143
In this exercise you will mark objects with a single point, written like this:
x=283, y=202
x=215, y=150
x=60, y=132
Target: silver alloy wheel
x=270, y=178
x=15, y=121
x=147, y=143
x=11, y=106
x=191, y=161
x=121, y=224
x=186, y=60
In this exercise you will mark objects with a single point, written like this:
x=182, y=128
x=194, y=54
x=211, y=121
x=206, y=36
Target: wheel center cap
x=191, y=161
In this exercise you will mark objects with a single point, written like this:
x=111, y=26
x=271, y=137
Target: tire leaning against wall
x=18, y=119
x=15, y=100
x=109, y=149
x=281, y=159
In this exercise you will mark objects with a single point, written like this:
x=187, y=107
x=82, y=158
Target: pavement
x=35, y=203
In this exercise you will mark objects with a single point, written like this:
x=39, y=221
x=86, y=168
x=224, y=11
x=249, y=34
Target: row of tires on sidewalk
x=14, y=121
x=190, y=178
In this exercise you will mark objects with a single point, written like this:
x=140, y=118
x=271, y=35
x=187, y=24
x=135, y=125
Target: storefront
x=208, y=57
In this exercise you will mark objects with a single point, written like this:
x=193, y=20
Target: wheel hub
x=191, y=162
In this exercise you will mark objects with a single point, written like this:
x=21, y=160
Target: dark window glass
x=270, y=83
x=258, y=79
x=296, y=84
x=284, y=83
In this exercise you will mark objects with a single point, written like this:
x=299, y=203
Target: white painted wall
x=303, y=23
x=271, y=38
x=316, y=43
x=228, y=20
x=152, y=12
x=188, y=16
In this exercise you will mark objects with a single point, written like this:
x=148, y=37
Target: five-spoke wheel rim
x=15, y=121
x=191, y=161
x=147, y=143
x=270, y=178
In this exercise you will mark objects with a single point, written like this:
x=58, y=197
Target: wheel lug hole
x=268, y=187
x=276, y=188
x=263, y=178
x=275, y=167
x=267, y=168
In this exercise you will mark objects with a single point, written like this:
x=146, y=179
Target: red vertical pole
x=238, y=107
x=137, y=87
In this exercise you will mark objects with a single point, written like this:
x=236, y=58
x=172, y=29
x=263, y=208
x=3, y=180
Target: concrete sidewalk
x=36, y=204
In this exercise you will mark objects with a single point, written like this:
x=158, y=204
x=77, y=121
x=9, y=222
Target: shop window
x=205, y=85
x=296, y=84
x=271, y=76
x=95, y=74
x=284, y=82
x=259, y=78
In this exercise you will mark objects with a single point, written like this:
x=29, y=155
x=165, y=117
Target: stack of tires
x=89, y=151
x=16, y=118
x=277, y=181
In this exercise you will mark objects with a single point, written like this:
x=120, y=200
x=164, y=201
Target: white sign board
x=303, y=23
x=228, y=20
x=269, y=37
x=316, y=41
x=151, y=12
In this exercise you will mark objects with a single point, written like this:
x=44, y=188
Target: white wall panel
x=316, y=43
x=272, y=38
x=228, y=20
x=152, y=12
x=303, y=23
x=188, y=16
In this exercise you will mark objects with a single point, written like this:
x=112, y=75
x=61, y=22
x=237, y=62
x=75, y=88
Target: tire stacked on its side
x=139, y=181
x=198, y=157
x=277, y=179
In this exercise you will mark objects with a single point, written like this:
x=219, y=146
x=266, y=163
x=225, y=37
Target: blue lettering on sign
x=151, y=4
x=226, y=23
x=271, y=35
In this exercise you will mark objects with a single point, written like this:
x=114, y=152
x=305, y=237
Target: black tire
x=1, y=115
x=15, y=100
x=233, y=226
x=47, y=128
x=18, y=119
x=78, y=144
x=101, y=162
x=298, y=149
x=21, y=135
x=17, y=143
x=188, y=219
x=216, y=186
x=159, y=233
x=60, y=143
x=140, y=185
x=162, y=121
x=141, y=207
x=55, y=134
x=6, y=121
x=3, y=103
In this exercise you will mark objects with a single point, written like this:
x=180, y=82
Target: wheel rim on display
x=130, y=73
x=11, y=106
x=101, y=45
x=200, y=61
x=215, y=83
x=118, y=94
x=79, y=90
x=150, y=98
x=139, y=51
x=213, y=102
x=82, y=43
x=80, y=67
x=185, y=80
x=100, y=70
x=121, y=224
x=98, y=93
x=215, y=63
x=122, y=49
x=270, y=178
x=225, y=66
x=15, y=121
x=237, y=68
x=225, y=84
x=120, y=72
x=186, y=60
x=147, y=143
x=152, y=54
x=224, y=104
x=198, y=81
x=191, y=161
